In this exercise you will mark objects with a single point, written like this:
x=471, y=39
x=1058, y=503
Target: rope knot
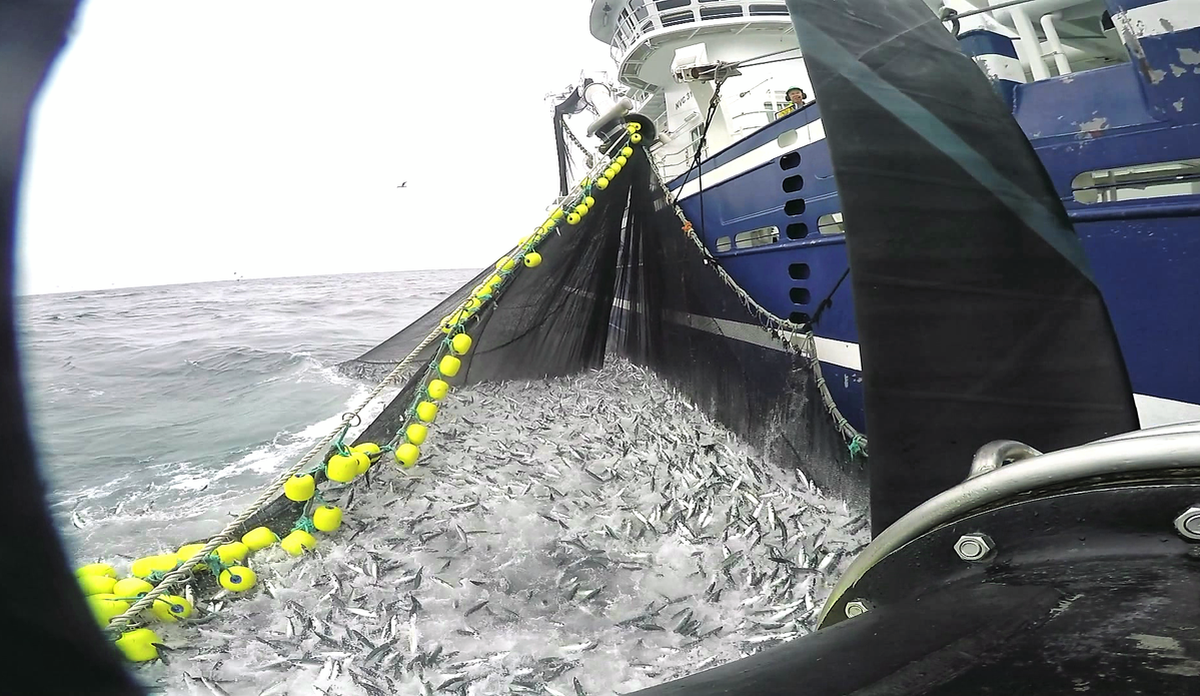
x=304, y=524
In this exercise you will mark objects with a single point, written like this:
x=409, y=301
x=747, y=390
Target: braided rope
x=795, y=335
x=184, y=571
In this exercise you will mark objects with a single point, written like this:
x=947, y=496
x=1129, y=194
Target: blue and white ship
x=1107, y=91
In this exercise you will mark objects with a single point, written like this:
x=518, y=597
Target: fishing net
x=628, y=280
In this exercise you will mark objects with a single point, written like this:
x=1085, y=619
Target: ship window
x=757, y=237
x=719, y=12
x=799, y=271
x=669, y=20
x=724, y=244
x=671, y=4
x=797, y=230
x=799, y=317
x=794, y=206
x=793, y=184
x=831, y=224
x=800, y=295
x=790, y=161
x=1139, y=181
x=780, y=9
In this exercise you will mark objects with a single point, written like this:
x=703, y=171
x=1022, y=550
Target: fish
x=602, y=494
x=476, y=608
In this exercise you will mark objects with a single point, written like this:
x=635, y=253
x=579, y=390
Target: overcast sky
x=195, y=140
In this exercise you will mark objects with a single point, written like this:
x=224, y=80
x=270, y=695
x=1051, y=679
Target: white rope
x=184, y=571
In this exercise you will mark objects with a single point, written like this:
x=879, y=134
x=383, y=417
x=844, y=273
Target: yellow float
x=300, y=487
x=259, y=538
x=407, y=454
x=238, y=578
x=96, y=584
x=416, y=433
x=138, y=645
x=449, y=365
x=298, y=542
x=131, y=587
x=342, y=468
x=327, y=518
x=460, y=344
x=96, y=569
x=171, y=608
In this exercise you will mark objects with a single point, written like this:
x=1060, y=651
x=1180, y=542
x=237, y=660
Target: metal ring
x=352, y=418
x=1152, y=451
x=997, y=453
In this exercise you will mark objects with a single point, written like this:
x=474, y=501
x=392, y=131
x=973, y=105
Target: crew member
x=796, y=96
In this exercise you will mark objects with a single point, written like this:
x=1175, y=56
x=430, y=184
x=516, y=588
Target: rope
x=769, y=62
x=700, y=145
x=790, y=332
x=183, y=572
x=749, y=62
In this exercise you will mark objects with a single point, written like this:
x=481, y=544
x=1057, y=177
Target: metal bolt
x=973, y=547
x=856, y=608
x=1188, y=523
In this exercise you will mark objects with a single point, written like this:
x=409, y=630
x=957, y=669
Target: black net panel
x=376, y=363
x=677, y=316
x=629, y=280
x=546, y=321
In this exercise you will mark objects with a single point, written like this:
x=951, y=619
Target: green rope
x=855, y=445
x=304, y=524
x=214, y=563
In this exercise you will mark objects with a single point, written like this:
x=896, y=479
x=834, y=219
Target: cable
x=747, y=61
x=769, y=62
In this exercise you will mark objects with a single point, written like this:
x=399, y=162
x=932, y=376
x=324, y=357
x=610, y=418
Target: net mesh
x=628, y=280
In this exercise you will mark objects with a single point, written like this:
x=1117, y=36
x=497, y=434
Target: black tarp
x=978, y=319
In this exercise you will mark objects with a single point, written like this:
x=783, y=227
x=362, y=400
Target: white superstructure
x=651, y=39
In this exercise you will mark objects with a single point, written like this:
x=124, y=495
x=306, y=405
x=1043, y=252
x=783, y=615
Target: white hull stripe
x=833, y=352
x=805, y=135
x=1001, y=67
x=1162, y=17
x=1152, y=410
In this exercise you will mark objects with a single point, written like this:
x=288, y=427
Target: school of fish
x=585, y=535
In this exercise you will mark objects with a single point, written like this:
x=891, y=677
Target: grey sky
x=196, y=140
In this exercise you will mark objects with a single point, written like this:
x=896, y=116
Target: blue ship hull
x=1144, y=252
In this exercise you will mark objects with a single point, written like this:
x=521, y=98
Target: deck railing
x=642, y=17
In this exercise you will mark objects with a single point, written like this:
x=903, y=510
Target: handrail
x=628, y=29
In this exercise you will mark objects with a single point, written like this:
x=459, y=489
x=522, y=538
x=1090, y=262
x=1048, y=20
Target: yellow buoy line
x=123, y=606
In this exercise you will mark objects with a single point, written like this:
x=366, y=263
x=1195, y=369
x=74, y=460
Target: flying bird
x=404, y=185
